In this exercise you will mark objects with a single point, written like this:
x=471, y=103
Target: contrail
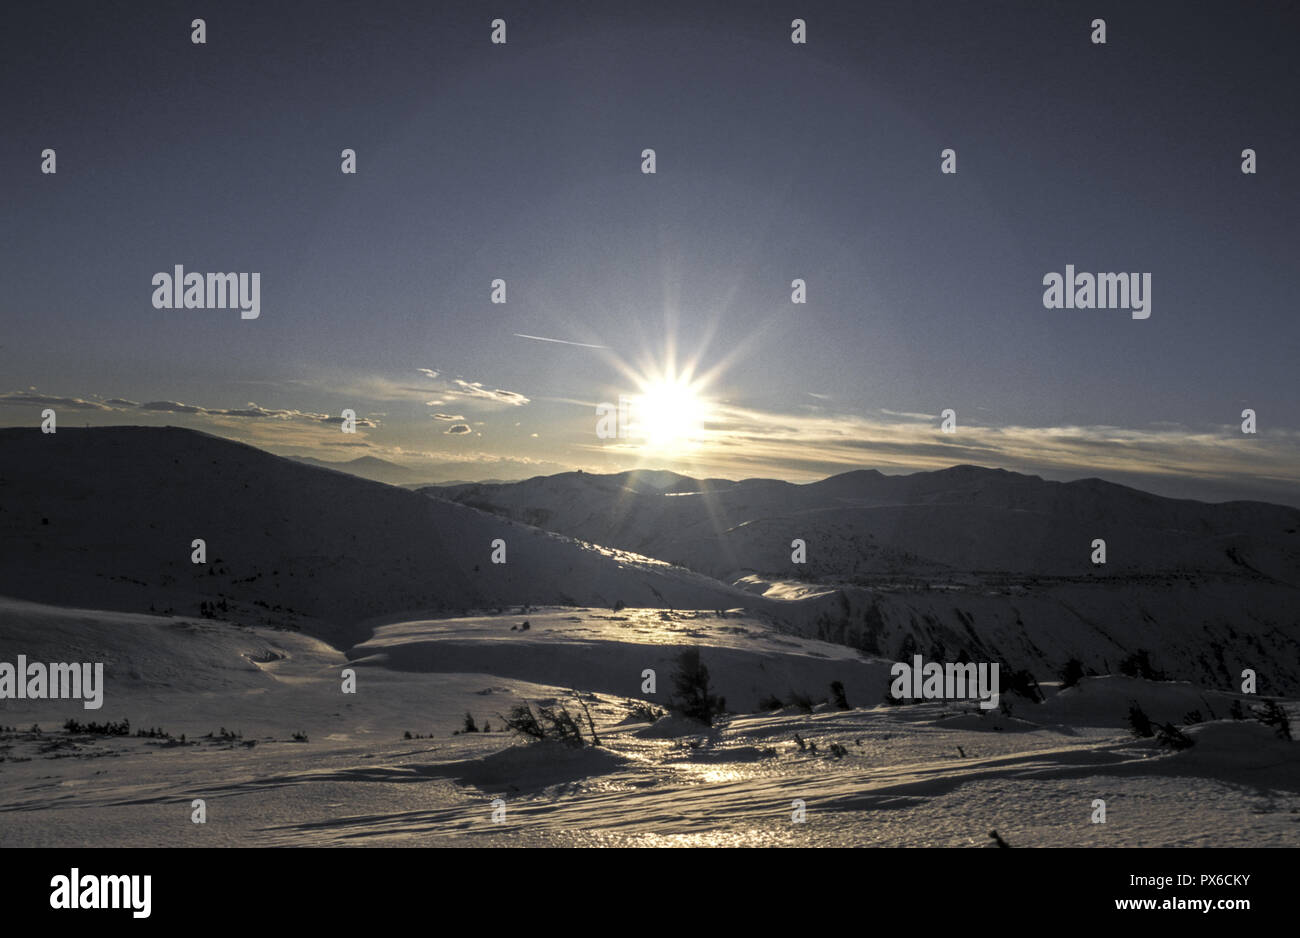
x=542, y=338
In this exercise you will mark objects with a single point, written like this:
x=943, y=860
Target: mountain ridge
x=107, y=517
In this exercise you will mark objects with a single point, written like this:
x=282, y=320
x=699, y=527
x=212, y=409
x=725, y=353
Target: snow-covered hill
x=863, y=525
x=105, y=518
x=300, y=763
x=967, y=562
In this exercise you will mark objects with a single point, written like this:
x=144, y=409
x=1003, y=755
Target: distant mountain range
x=367, y=467
x=390, y=473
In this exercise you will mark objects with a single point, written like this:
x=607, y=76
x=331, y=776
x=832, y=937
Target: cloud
x=360, y=421
x=18, y=398
x=173, y=407
x=738, y=442
x=447, y=417
x=475, y=389
x=252, y=411
x=457, y=428
x=469, y=390
x=218, y=415
x=908, y=415
x=438, y=391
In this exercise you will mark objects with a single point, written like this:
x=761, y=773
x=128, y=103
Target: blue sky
x=775, y=161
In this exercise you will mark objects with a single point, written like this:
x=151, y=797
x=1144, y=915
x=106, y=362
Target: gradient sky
x=775, y=161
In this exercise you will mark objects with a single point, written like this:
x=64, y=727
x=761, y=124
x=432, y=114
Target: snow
x=902, y=781
x=314, y=573
x=992, y=563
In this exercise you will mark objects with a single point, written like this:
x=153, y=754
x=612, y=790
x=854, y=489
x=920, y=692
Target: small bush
x=560, y=725
x=522, y=720
x=1270, y=714
x=1171, y=736
x=591, y=724
x=838, y=697
x=469, y=726
x=1072, y=673
x=1139, y=722
x=98, y=729
x=1139, y=664
x=644, y=711
x=770, y=702
x=691, y=693
x=555, y=723
x=802, y=701
x=1023, y=683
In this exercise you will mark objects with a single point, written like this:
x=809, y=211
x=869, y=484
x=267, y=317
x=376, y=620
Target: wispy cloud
x=173, y=407
x=739, y=442
x=457, y=388
x=542, y=338
x=475, y=390
x=433, y=387
x=910, y=415
x=251, y=411
x=28, y=398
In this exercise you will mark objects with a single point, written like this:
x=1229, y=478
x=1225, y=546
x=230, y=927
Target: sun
x=668, y=414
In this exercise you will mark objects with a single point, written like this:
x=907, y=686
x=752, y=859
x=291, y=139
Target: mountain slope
x=106, y=518
x=866, y=525
x=969, y=562
x=367, y=467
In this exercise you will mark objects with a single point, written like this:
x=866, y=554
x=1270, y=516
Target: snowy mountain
x=861, y=526
x=963, y=563
x=234, y=664
x=967, y=562
x=107, y=517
